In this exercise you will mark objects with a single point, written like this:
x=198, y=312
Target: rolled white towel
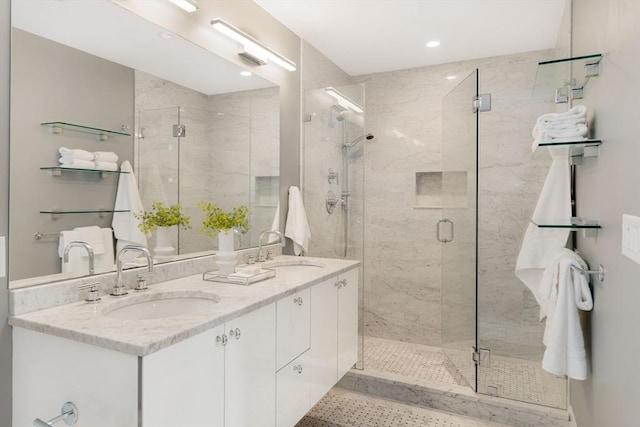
x=80, y=164
x=106, y=166
x=105, y=156
x=75, y=154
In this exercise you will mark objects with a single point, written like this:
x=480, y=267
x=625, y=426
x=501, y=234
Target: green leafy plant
x=163, y=216
x=217, y=219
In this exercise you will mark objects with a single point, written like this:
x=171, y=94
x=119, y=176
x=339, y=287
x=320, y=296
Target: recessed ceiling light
x=451, y=77
x=166, y=35
x=433, y=43
x=246, y=73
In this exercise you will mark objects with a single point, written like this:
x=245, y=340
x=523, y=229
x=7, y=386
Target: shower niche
x=440, y=189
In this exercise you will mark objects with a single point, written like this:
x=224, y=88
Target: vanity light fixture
x=186, y=5
x=343, y=100
x=253, y=50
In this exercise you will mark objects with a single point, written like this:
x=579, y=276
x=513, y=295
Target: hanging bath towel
x=297, y=228
x=541, y=244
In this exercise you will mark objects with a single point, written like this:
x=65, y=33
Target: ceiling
x=369, y=36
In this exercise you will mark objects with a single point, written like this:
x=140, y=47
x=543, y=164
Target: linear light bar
x=252, y=45
x=187, y=5
x=343, y=100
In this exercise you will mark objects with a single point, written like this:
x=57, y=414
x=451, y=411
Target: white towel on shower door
x=541, y=244
x=125, y=224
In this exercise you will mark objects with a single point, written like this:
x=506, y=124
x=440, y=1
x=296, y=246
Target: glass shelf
x=57, y=170
x=590, y=227
x=102, y=212
x=59, y=127
x=580, y=148
x=552, y=77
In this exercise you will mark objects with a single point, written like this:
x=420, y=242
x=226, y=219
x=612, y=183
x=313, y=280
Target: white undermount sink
x=292, y=265
x=159, y=306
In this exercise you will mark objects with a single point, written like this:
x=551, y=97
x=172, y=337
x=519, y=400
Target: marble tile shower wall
x=402, y=256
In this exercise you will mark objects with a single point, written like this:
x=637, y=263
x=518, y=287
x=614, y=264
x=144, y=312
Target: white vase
x=164, y=248
x=226, y=255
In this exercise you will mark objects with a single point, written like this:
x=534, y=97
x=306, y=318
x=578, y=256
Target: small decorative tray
x=239, y=278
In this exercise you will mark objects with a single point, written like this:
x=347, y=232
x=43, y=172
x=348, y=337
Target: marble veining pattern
x=84, y=322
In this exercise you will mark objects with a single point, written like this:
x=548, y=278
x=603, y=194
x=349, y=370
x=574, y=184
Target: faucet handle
x=251, y=260
x=269, y=255
x=142, y=281
x=94, y=292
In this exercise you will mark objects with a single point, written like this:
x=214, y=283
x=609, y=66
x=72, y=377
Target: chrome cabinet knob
x=298, y=368
x=222, y=339
x=298, y=301
x=235, y=333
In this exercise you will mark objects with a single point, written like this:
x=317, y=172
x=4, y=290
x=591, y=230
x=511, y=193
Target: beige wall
x=609, y=186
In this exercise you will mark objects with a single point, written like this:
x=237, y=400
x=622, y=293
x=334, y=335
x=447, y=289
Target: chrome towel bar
x=599, y=271
x=68, y=413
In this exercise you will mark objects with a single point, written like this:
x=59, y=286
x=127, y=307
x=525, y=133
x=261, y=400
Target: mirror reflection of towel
x=297, y=228
x=125, y=224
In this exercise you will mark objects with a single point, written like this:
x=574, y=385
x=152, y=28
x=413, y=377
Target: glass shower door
x=457, y=229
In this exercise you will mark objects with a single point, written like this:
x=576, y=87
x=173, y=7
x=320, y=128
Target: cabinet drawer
x=293, y=326
x=293, y=399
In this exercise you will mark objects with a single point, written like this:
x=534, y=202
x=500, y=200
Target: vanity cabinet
x=334, y=331
x=265, y=368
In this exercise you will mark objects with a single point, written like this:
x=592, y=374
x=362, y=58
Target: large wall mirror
x=194, y=126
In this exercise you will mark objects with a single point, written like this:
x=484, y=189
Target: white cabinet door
x=250, y=369
x=183, y=385
x=323, y=354
x=293, y=326
x=49, y=371
x=347, y=321
x=293, y=400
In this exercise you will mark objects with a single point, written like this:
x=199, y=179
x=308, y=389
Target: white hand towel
x=79, y=164
x=540, y=244
x=565, y=290
x=105, y=156
x=75, y=154
x=125, y=224
x=578, y=130
x=297, y=228
x=93, y=236
x=106, y=166
x=576, y=114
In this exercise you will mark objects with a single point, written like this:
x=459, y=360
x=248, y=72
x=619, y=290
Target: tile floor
x=342, y=408
x=516, y=379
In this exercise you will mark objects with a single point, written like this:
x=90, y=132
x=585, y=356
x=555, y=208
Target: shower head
x=368, y=137
x=341, y=115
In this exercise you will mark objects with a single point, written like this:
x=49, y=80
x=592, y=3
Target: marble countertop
x=84, y=322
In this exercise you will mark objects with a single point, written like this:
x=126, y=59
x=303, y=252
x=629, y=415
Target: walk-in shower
x=432, y=308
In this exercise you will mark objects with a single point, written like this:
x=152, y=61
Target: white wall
x=609, y=186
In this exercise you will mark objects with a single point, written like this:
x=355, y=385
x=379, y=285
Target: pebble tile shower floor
x=342, y=408
x=516, y=379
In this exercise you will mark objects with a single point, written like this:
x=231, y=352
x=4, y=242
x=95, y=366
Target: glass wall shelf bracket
x=589, y=227
x=566, y=77
x=103, y=134
x=57, y=171
x=55, y=213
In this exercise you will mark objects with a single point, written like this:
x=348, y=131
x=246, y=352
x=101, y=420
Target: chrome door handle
x=439, y=236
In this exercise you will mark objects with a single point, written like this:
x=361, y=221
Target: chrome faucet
x=119, y=289
x=265, y=233
x=78, y=244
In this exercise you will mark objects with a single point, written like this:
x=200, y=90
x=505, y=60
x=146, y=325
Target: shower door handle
x=439, y=235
